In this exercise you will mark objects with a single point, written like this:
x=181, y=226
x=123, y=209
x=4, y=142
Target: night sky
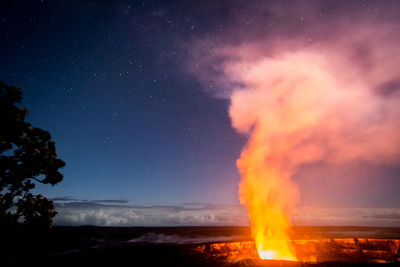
x=113, y=82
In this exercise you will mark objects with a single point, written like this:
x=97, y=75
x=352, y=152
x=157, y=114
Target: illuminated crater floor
x=345, y=250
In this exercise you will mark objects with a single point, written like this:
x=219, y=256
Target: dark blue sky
x=109, y=80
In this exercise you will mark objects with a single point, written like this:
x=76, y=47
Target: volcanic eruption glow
x=333, y=101
x=297, y=112
x=275, y=109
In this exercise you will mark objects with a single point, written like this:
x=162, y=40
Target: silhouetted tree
x=27, y=154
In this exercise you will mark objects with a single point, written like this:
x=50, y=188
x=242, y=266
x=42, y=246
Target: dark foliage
x=27, y=155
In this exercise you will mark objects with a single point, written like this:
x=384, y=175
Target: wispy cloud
x=64, y=200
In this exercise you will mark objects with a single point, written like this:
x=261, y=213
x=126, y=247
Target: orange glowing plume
x=263, y=191
x=297, y=112
x=274, y=109
x=335, y=101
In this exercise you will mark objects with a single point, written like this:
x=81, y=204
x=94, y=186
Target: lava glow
x=354, y=250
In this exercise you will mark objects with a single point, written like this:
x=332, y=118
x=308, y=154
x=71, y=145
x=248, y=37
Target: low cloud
x=388, y=217
x=89, y=213
x=121, y=213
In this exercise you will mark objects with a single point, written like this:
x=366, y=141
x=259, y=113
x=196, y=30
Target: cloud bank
x=77, y=213
x=89, y=213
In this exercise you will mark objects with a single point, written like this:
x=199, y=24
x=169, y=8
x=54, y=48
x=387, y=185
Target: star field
x=112, y=83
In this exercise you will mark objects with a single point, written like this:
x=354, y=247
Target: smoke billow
x=325, y=90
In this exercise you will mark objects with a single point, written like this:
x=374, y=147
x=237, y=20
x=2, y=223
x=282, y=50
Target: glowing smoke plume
x=299, y=111
x=336, y=101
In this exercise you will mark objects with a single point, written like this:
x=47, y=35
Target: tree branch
x=36, y=179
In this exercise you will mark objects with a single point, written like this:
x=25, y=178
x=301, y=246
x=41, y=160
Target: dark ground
x=144, y=246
